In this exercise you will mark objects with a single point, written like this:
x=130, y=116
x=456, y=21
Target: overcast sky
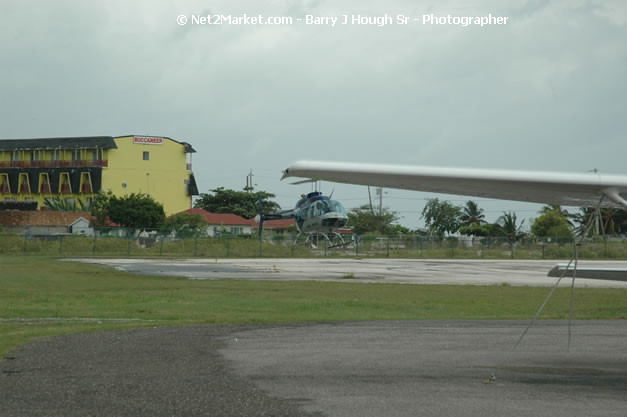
x=546, y=91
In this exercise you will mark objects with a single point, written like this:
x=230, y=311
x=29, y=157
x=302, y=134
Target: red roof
x=40, y=218
x=278, y=224
x=221, y=218
x=235, y=220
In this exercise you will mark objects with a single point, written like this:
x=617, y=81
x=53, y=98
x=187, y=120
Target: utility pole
x=249, y=181
x=380, y=194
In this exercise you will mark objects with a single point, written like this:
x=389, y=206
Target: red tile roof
x=235, y=220
x=278, y=224
x=221, y=218
x=40, y=218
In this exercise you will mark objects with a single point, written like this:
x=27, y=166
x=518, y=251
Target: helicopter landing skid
x=313, y=239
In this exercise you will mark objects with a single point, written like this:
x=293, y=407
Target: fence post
x=195, y=245
x=356, y=245
x=128, y=244
x=511, y=245
x=161, y=247
x=260, y=247
x=420, y=242
x=60, y=245
x=24, y=243
x=93, y=249
x=605, y=244
x=543, y=245
x=326, y=244
x=228, y=247
x=387, y=244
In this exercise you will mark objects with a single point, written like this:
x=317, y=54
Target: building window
x=4, y=184
x=146, y=156
x=44, y=183
x=64, y=186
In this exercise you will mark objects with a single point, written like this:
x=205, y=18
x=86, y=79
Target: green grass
x=43, y=287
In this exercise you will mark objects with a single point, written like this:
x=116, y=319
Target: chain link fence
x=125, y=242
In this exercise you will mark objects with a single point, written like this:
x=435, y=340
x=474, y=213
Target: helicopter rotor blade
x=302, y=182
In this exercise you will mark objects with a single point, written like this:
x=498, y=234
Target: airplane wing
x=609, y=274
x=567, y=189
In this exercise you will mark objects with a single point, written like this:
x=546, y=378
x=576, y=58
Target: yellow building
x=77, y=168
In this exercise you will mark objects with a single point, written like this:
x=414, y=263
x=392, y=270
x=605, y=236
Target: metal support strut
x=574, y=259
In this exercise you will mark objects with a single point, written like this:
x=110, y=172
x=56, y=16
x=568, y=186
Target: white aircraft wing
x=608, y=274
x=568, y=189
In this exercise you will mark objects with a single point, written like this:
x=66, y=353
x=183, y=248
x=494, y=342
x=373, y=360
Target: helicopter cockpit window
x=321, y=208
x=336, y=206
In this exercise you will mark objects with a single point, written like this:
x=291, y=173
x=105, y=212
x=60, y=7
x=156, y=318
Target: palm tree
x=471, y=214
x=562, y=212
x=510, y=228
x=583, y=217
x=61, y=204
x=607, y=221
x=620, y=217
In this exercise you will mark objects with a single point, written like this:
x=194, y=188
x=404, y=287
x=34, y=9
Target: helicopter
x=316, y=216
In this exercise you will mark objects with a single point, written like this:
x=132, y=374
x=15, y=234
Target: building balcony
x=54, y=164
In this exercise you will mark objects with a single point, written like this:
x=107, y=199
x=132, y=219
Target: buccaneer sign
x=147, y=140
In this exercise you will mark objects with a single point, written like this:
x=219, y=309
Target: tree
x=585, y=215
x=620, y=217
x=511, y=229
x=242, y=203
x=186, y=225
x=441, y=217
x=606, y=221
x=135, y=211
x=397, y=229
x=364, y=220
x=560, y=211
x=100, y=208
x=483, y=230
x=471, y=214
x=551, y=224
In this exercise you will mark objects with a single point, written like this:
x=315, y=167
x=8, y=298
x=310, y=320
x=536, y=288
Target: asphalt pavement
x=382, y=270
x=388, y=368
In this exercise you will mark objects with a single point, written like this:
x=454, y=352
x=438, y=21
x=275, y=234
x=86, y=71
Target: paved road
x=407, y=271
x=409, y=368
x=440, y=368
x=175, y=371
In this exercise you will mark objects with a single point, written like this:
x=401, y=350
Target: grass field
x=40, y=296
